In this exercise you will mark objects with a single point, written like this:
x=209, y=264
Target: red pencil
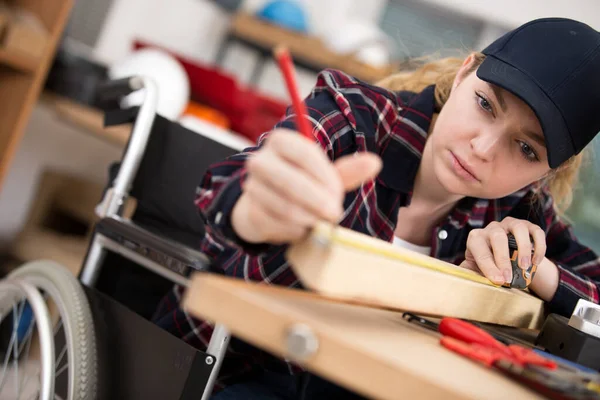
x=284, y=59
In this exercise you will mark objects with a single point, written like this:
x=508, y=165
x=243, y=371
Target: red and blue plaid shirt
x=349, y=116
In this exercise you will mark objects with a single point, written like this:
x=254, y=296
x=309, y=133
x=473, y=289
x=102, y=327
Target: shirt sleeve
x=578, y=265
x=342, y=111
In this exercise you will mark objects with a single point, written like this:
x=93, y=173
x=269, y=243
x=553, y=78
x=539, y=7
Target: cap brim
x=558, y=141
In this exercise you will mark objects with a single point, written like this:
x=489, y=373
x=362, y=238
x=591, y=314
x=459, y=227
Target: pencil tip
x=280, y=50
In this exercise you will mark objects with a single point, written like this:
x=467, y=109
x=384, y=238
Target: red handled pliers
x=475, y=343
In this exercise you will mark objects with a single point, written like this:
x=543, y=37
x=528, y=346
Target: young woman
x=446, y=160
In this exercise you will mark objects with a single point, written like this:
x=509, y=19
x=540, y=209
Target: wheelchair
x=96, y=323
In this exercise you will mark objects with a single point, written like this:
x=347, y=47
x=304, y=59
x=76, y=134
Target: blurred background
x=212, y=61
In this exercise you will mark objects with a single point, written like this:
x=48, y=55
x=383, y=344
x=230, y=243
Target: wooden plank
x=20, y=62
x=24, y=90
x=373, y=352
x=48, y=11
x=308, y=48
x=367, y=275
x=91, y=119
x=14, y=87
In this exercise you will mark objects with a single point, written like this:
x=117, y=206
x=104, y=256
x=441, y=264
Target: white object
x=367, y=41
x=216, y=133
x=407, y=245
x=586, y=317
x=443, y=234
x=169, y=75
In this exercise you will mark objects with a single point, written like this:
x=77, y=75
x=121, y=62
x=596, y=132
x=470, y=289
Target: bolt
x=209, y=360
x=301, y=342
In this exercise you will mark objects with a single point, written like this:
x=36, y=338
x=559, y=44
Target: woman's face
x=486, y=142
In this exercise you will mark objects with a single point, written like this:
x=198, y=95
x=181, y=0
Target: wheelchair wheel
x=19, y=302
x=75, y=374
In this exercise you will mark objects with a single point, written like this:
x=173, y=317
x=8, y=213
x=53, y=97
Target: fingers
x=488, y=248
x=292, y=184
x=308, y=156
x=479, y=246
x=470, y=264
x=296, y=185
x=355, y=169
x=525, y=232
x=272, y=227
x=499, y=242
x=521, y=234
x=278, y=206
x=539, y=240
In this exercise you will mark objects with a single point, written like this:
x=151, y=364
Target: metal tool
x=527, y=366
x=470, y=341
x=521, y=278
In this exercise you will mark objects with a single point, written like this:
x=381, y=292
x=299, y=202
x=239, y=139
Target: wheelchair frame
x=150, y=251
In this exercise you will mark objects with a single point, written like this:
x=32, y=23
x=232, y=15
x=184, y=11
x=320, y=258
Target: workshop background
x=213, y=64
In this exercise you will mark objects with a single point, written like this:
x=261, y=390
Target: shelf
x=23, y=73
x=18, y=61
x=306, y=49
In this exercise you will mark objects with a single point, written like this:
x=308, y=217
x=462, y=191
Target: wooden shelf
x=306, y=48
x=18, y=61
x=91, y=119
x=22, y=76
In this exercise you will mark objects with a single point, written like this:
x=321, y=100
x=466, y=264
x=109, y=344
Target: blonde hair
x=560, y=182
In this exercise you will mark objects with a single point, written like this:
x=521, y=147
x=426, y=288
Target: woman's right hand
x=292, y=184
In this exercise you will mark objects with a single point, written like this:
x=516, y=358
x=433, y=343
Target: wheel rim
x=17, y=296
x=65, y=347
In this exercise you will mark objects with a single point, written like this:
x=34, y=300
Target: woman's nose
x=484, y=145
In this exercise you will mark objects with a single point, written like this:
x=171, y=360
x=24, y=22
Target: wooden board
x=88, y=118
x=17, y=60
x=377, y=274
x=21, y=82
x=370, y=351
x=309, y=49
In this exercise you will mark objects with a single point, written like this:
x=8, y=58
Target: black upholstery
x=173, y=165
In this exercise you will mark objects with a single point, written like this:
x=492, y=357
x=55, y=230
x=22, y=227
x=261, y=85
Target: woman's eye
x=528, y=152
x=484, y=103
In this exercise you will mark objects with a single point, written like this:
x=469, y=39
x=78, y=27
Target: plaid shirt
x=348, y=116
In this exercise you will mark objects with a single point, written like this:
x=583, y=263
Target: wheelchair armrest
x=115, y=89
x=170, y=254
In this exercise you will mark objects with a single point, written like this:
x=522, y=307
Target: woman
x=446, y=160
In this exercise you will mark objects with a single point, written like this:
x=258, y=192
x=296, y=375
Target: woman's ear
x=464, y=71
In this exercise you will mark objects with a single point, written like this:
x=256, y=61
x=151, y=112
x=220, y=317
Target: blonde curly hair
x=560, y=182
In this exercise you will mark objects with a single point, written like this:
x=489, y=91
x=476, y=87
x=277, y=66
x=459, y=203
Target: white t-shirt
x=403, y=243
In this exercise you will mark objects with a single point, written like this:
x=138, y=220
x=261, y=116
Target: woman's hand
x=292, y=184
x=487, y=249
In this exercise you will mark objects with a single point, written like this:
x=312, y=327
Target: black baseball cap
x=553, y=65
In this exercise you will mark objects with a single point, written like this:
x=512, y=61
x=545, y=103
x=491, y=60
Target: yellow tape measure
x=325, y=233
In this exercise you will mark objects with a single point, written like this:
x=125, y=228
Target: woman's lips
x=462, y=169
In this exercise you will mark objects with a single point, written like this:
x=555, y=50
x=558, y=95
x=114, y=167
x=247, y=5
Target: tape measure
x=521, y=277
x=326, y=233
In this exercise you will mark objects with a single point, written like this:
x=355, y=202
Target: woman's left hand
x=487, y=249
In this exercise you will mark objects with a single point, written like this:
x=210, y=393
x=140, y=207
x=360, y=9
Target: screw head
x=209, y=360
x=301, y=342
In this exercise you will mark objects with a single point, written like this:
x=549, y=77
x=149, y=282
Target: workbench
x=373, y=352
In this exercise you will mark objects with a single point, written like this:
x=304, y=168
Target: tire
x=66, y=291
